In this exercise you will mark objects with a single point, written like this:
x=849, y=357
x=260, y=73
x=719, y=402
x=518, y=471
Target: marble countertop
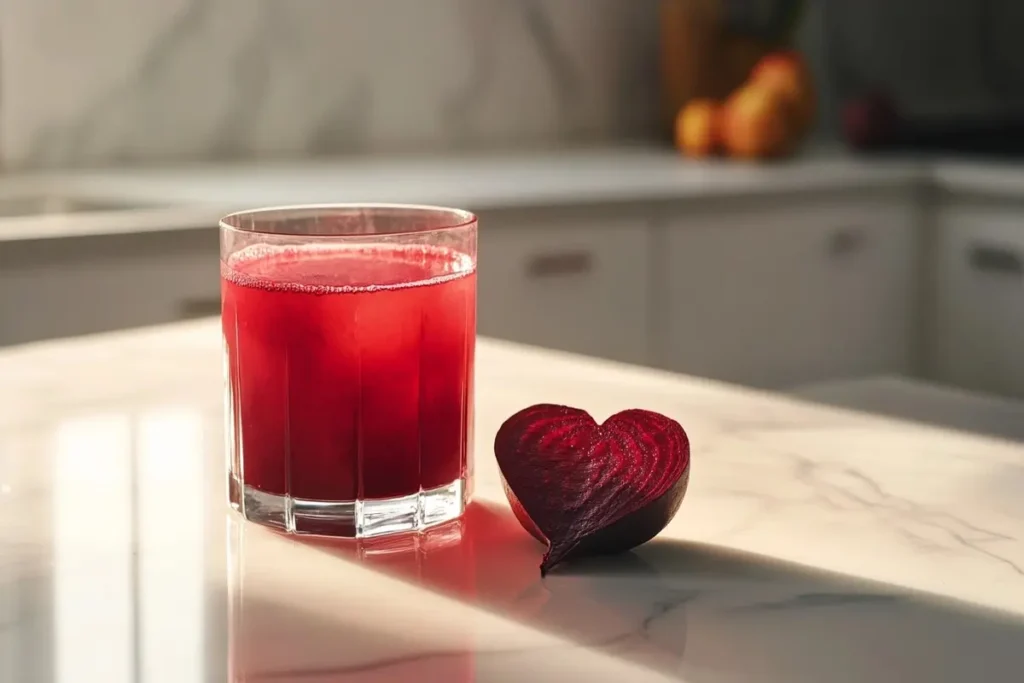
x=196, y=196
x=815, y=544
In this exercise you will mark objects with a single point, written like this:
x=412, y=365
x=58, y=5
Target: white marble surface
x=814, y=544
x=88, y=82
x=197, y=195
x=194, y=196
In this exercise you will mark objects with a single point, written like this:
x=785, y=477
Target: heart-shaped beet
x=585, y=488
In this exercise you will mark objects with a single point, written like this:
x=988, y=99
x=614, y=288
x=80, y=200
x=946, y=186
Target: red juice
x=350, y=369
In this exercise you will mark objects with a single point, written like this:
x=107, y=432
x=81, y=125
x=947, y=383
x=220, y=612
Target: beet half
x=586, y=488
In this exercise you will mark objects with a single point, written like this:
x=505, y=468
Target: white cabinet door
x=568, y=282
x=775, y=295
x=67, y=287
x=978, y=333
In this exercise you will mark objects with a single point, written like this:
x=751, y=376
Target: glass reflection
x=8, y=605
x=93, y=571
x=170, y=519
x=485, y=560
x=303, y=616
x=128, y=577
x=495, y=564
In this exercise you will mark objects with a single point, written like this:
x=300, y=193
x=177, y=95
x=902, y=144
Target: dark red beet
x=585, y=488
x=870, y=122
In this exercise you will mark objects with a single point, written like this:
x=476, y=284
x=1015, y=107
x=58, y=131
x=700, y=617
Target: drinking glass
x=349, y=335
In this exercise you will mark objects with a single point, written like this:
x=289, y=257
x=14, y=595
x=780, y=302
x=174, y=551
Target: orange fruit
x=787, y=73
x=756, y=123
x=697, y=128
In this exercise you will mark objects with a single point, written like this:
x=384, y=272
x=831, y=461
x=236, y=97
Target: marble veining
x=221, y=79
x=814, y=544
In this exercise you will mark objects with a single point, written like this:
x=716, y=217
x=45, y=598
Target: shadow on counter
x=703, y=612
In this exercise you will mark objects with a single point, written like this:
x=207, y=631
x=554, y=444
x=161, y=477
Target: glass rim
x=460, y=218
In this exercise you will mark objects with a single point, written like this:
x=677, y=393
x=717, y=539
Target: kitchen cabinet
x=777, y=293
x=977, y=332
x=570, y=280
x=81, y=285
x=565, y=279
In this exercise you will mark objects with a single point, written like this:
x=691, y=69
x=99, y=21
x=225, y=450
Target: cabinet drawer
x=576, y=285
x=775, y=296
x=978, y=338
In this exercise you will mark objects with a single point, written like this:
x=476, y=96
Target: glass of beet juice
x=349, y=334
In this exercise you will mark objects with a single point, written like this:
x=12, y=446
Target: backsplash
x=937, y=59
x=107, y=82
x=99, y=82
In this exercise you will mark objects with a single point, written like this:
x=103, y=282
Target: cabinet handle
x=846, y=241
x=559, y=264
x=993, y=258
x=198, y=308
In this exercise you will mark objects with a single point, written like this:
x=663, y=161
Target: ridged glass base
x=352, y=519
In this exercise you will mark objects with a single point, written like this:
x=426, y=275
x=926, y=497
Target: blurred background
x=818, y=198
